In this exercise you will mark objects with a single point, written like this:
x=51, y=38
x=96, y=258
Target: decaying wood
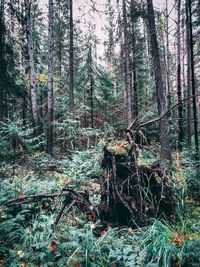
x=131, y=193
x=71, y=194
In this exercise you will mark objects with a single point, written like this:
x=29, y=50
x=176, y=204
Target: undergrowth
x=28, y=238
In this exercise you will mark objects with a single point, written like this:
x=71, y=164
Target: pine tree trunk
x=71, y=59
x=127, y=74
x=193, y=79
x=31, y=63
x=135, y=90
x=2, y=29
x=91, y=87
x=160, y=91
x=189, y=93
x=167, y=56
x=178, y=78
x=59, y=45
x=50, y=81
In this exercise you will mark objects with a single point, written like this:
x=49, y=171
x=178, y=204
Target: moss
x=120, y=148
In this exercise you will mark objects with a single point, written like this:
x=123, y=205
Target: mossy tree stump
x=131, y=193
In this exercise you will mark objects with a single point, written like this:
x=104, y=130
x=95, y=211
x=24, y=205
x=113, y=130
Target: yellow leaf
x=18, y=190
x=62, y=181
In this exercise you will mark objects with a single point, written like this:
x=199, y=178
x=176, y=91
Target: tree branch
x=161, y=116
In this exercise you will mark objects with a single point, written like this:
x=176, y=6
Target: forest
x=99, y=133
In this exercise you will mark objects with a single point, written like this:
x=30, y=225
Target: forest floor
x=27, y=233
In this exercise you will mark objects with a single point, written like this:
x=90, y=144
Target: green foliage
x=165, y=244
x=17, y=138
x=83, y=165
x=26, y=232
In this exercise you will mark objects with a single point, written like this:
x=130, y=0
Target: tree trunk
x=193, y=79
x=31, y=62
x=135, y=92
x=2, y=29
x=71, y=59
x=59, y=45
x=189, y=93
x=127, y=74
x=110, y=46
x=50, y=81
x=167, y=56
x=160, y=91
x=91, y=87
x=178, y=78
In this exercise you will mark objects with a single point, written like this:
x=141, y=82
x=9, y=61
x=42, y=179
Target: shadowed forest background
x=99, y=133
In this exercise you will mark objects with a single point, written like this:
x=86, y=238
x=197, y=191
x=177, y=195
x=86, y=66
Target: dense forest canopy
x=99, y=133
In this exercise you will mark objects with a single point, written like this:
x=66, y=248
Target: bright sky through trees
x=83, y=11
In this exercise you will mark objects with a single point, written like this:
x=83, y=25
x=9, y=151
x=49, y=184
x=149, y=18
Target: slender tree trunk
x=120, y=35
x=134, y=74
x=127, y=73
x=50, y=81
x=110, y=46
x=160, y=91
x=91, y=87
x=2, y=64
x=60, y=40
x=31, y=62
x=167, y=56
x=71, y=59
x=178, y=78
x=189, y=93
x=193, y=79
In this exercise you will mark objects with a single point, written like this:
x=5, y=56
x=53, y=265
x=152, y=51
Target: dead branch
x=23, y=200
x=61, y=212
x=136, y=121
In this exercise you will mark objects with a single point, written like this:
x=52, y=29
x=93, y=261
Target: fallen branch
x=23, y=200
x=61, y=212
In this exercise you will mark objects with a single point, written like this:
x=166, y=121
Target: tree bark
x=193, y=79
x=134, y=73
x=178, y=78
x=71, y=59
x=50, y=81
x=91, y=87
x=2, y=29
x=189, y=93
x=127, y=74
x=31, y=62
x=167, y=56
x=160, y=91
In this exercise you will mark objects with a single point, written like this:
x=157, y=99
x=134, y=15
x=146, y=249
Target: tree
x=167, y=55
x=50, y=81
x=189, y=93
x=32, y=73
x=2, y=63
x=134, y=74
x=178, y=78
x=127, y=73
x=71, y=58
x=91, y=78
x=193, y=78
x=110, y=44
x=160, y=91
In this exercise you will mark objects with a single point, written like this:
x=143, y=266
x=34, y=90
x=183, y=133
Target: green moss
x=120, y=148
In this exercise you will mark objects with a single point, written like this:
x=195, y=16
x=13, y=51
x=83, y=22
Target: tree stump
x=132, y=194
